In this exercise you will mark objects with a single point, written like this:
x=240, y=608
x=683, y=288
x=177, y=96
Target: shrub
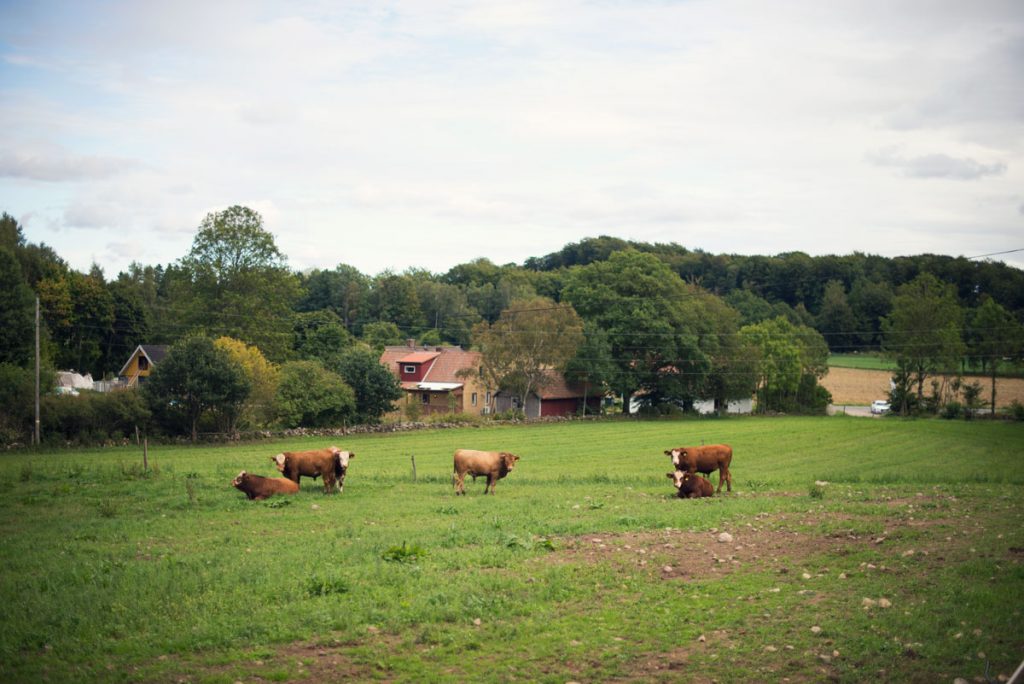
x=309, y=395
x=952, y=410
x=1015, y=410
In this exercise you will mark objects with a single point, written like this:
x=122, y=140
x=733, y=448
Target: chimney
x=411, y=342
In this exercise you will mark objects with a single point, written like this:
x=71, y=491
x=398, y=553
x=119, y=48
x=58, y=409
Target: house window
x=425, y=398
x=473, y=399
x=143, y=363
x=488, y=399
x=409, y=369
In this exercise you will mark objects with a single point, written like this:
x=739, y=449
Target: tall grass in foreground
x=107, y=568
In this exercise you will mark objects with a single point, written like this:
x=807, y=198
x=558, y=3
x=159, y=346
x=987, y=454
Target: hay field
x=854, y=386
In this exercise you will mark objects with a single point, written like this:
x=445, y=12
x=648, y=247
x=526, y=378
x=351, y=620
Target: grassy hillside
x=583, y=566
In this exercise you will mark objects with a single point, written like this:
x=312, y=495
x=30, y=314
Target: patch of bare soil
x=682, y=555
x=860, y=387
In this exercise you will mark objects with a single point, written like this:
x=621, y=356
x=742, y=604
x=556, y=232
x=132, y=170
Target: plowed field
x=855, y=386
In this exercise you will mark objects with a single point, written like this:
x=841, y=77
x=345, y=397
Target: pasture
x=905, y=566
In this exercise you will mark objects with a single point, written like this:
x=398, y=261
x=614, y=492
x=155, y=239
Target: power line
x=1009, y=251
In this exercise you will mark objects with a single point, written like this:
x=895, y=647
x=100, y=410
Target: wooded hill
x=239, y=285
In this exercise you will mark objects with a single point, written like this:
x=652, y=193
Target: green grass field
x=906, y=566
x=861, y=361
x=875, y=361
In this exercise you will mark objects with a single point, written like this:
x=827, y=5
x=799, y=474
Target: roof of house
x=444, y=362
x=560, y=388
x=154, y=352
x=419, y=357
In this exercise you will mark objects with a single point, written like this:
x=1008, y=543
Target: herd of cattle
x=692, y=469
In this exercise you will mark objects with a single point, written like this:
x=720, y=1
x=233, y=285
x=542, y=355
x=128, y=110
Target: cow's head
x=677, y=477
x=238, y=480
x=279, y=461
x=678, y=456
x=343, y=457
x=509, y=460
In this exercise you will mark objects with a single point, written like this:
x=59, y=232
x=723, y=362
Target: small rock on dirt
x=725, y=537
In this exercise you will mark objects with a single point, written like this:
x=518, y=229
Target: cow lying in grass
x=330, y=463
x=259, y=487
x=493, y=464
x=705, y=460
x=690, y=485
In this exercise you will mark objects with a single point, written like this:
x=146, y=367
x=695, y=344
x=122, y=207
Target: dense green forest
x=670, y=322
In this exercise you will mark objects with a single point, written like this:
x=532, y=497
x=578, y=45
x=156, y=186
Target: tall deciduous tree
x=529, y=340
x=309, y=395
x=995, y=335
x=238, y=282
x=922, y=334
x=257, y=411
x=195, y=378
x=376, y=388
x=665, y=334
x=790, y=361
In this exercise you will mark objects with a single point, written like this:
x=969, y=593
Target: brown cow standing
x=494, y=464
x=690, y=485
x=330, y=463
x=704, y=459
x=259, y=487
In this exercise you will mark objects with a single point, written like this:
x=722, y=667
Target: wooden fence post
x=413, y=456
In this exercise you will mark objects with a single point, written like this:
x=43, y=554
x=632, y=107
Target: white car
x=879, y=406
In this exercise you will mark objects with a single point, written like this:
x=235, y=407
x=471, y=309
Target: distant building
x=141, y=363
x=557, y=397
x=430, y=377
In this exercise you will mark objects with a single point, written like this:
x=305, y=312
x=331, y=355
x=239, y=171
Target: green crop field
x=903, y=562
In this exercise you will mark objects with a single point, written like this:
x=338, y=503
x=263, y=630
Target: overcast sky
x=429, y=133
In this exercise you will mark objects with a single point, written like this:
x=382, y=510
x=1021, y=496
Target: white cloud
x=509, y=129
x=53, y=164
x=938, y=166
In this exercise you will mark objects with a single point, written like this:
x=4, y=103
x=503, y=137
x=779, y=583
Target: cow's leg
x=728, y=478
x=328, y=482
x=460, y=487
x=491, y=481
x=341, y=483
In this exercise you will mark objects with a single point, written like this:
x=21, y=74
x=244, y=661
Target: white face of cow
x=238, y=480
x=677, y=456
x=343, y=457
x=279, y=462
x=677, y=478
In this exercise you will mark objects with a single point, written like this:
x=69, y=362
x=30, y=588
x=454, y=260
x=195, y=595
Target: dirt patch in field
x=684, y=555
x=860, y=387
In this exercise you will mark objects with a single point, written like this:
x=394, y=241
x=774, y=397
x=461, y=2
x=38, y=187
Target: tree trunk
x=994, y=366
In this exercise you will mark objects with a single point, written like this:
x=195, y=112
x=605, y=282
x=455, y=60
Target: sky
x=398, y=134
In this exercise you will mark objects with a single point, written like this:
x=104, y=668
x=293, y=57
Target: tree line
x=658, y=321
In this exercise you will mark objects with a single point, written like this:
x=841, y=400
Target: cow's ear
x=668, y=452
x=351, y=454
x=670, y=475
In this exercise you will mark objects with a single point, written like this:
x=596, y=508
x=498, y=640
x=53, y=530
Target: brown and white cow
x=259, y=487
x=704, y=459
x=330, y=463
x=493, y=464
x=690, y=485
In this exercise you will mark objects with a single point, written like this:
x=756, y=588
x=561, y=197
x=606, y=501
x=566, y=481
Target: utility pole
x=36, y=436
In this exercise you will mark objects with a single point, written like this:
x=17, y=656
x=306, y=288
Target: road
x=859, y=411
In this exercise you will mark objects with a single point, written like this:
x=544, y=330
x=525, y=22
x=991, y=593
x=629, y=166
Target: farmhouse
x=557, y=397
x=430, y=376
x=140, y=364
